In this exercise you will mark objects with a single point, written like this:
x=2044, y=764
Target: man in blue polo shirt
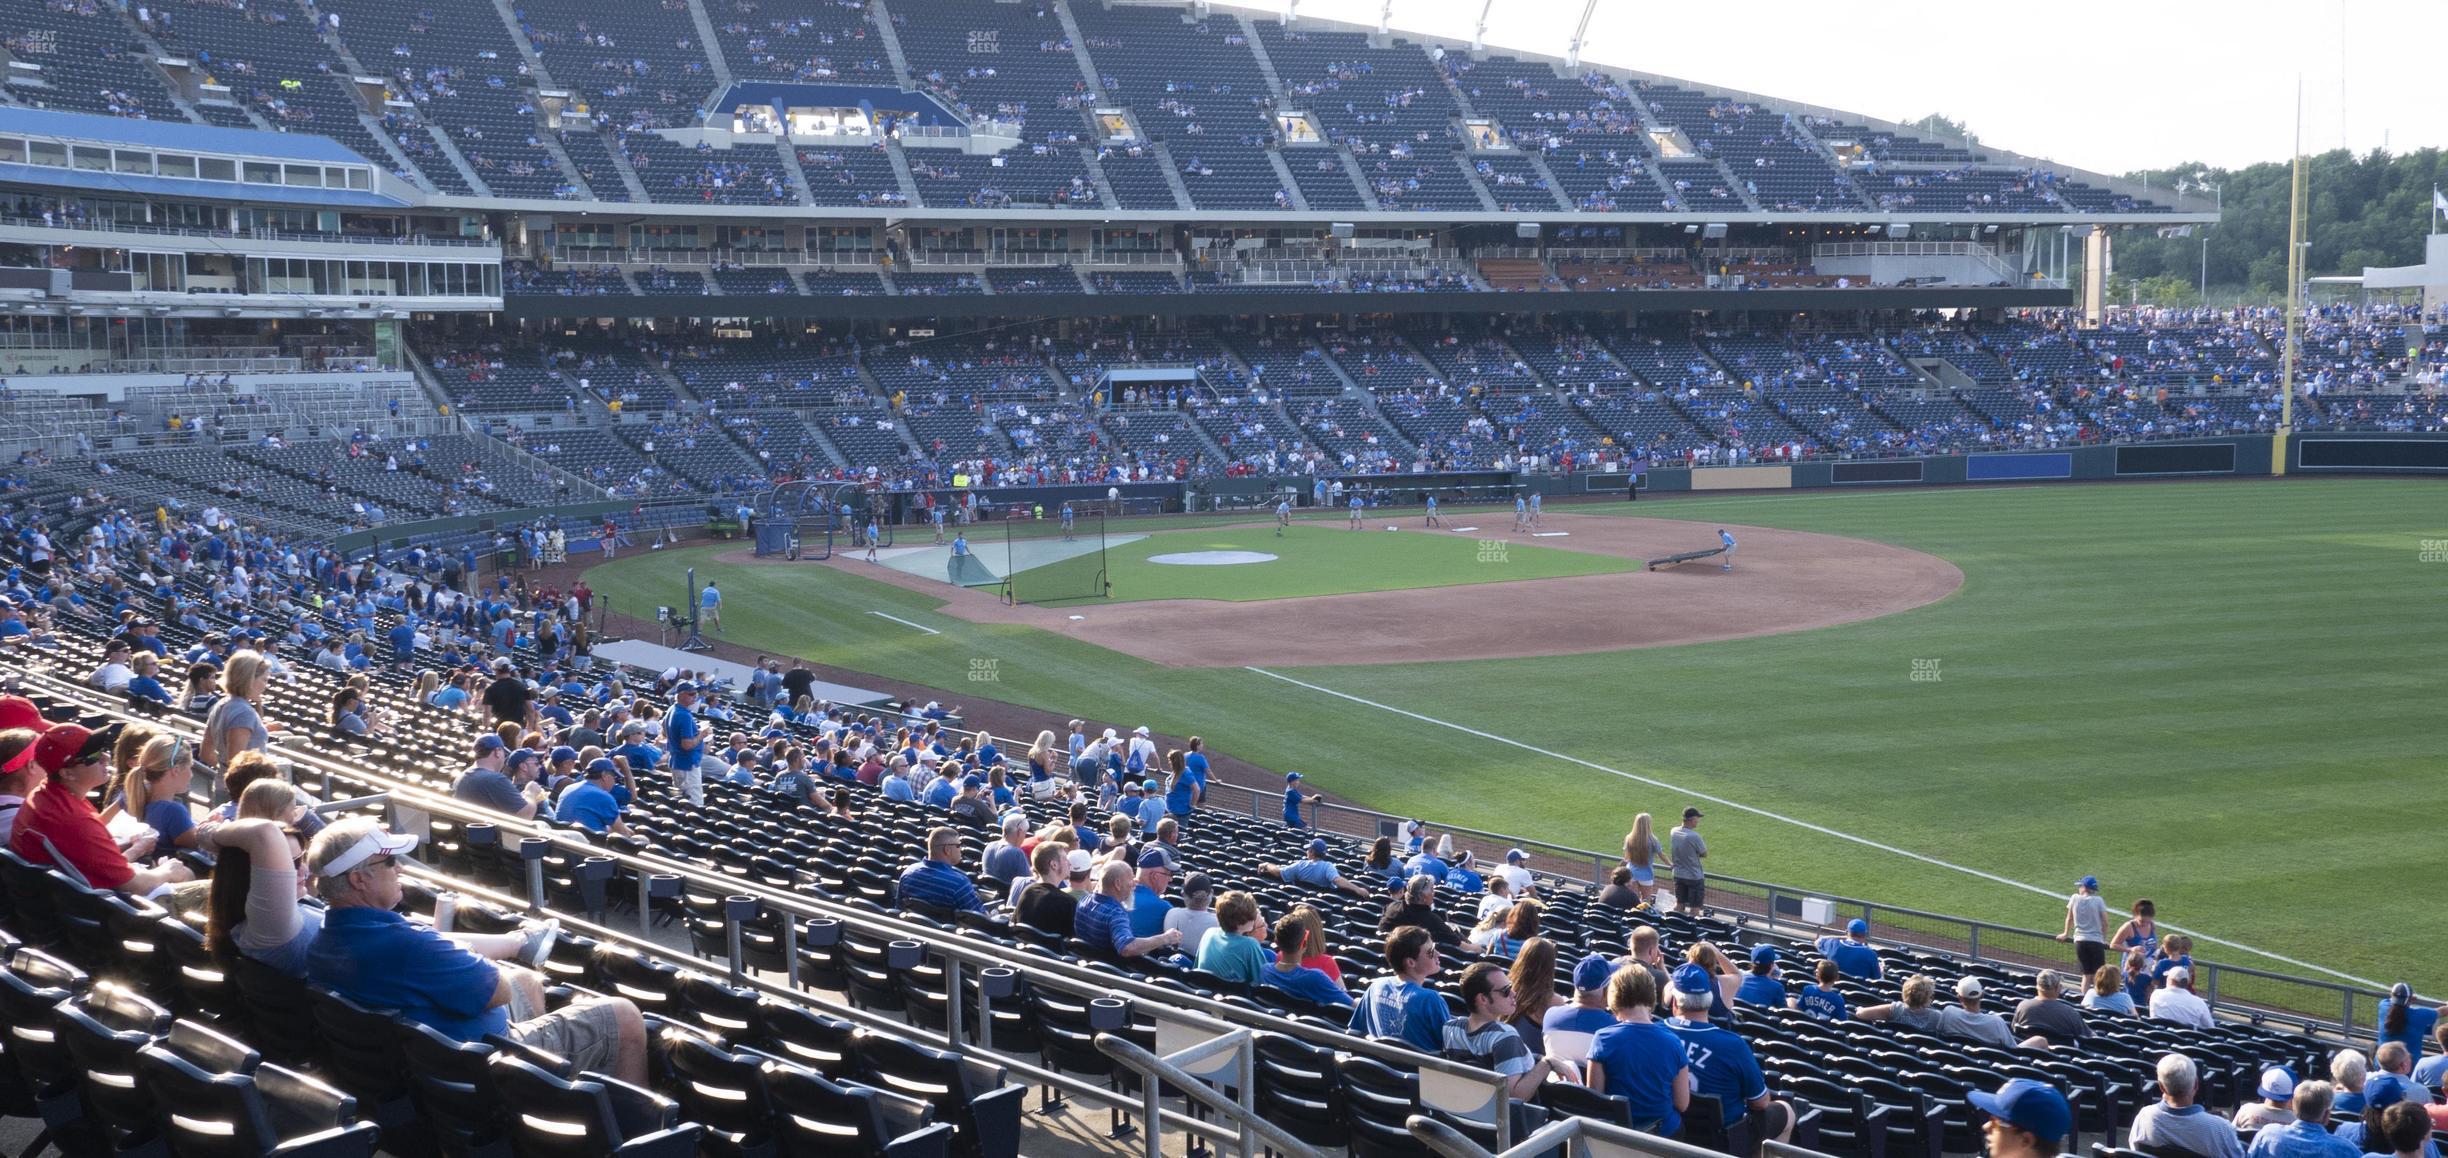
x=372, y=955
x=1852, y=952
x=938, y=880
x=1104, y=922
x=1293, y=801
x=1722, y=1065
x=589, y=803
x=1313, y=870
x=687, y=742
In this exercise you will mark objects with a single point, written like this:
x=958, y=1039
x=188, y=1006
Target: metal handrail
x=420, y=800
x=1594, y=1138
x=535, y=844
x=100, y=225
x=1154, y=1070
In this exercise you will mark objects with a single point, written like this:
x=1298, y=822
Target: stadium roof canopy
x=185, y=138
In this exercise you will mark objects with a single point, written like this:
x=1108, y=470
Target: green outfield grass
x=1311, y=559
x=2219, y=695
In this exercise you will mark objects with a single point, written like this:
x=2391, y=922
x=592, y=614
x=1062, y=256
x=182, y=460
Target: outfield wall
x=2238, y=456
x=2241, y=456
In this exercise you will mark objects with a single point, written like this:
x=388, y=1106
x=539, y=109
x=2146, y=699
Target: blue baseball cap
x=520, y=756
x=562, y=752
x=1765, y=953
x=1693, y=979
x=1156, y=858
x=1317, y=846
x=1291, y=776
x=973, y=782
x=1151, y=786
x=1858, y=928
x=2035, y=1107
x=2385, y=1089
x=1591, y=974
x=686, y=686
x=2091, y=883
x=602, y=766
x=488, y=744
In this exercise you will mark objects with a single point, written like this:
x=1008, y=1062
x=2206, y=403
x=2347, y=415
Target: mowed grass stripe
x=2216, y=695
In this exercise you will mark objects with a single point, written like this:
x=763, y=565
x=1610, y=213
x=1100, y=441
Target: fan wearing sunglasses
x=58, y=825
x=371, y=954
x=1485, y=1038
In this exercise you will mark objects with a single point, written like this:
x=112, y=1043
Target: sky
x=2136, y=86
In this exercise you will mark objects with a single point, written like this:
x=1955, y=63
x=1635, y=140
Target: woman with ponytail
x=155, y=790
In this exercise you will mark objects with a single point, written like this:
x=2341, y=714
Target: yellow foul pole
x=2294, y=302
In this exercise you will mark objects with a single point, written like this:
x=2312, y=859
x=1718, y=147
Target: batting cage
x=807, y=520
x=1055, y=556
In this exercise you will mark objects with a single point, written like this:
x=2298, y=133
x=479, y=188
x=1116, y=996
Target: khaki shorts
x=586, y=1032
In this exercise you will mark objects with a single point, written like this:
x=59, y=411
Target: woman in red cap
x=58, y=825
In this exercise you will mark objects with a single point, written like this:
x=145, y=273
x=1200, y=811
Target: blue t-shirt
x=2300, y=1140
x=1393, y=1007
x=1641, y=1060
x=491, y=789
x=1722, y=1065
x=940, y=793
x=681, y=724
x=1306, y=983
x=898, y=788
x=1824, y=1004
x=1182, y=796
x=1320, y=874
x=588, y=807
x=1758, y=990
x=1852, y=959
x=1427, y=865
x=639, y=756
x=169, y=819
x=1292, y=807
x=376, y=958
x=1194, y=766
x=1148, y=909
x=2351, y=1133
x=2418, y=1025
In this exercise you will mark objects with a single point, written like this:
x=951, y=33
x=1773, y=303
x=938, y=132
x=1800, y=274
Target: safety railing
x=1204, y=1038
x=1573, y=1138
x=99, y=225
x=2321, y=1006
x=1208, y=1037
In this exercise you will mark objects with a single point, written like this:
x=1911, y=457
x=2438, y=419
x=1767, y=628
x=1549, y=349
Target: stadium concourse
x=835, y=875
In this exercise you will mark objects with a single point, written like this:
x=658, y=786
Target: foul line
x=1821, y=829
x=932, y=631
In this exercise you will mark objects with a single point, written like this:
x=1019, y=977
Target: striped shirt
x=935, y=883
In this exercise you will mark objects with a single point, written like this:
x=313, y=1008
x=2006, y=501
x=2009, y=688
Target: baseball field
x=2222, y=696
